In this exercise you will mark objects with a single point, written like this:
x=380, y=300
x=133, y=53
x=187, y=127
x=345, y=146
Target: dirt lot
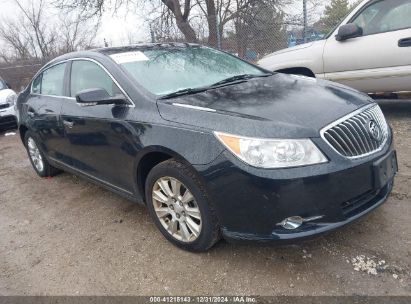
x=65, y=236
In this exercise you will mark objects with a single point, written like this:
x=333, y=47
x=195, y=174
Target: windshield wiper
x=239, y=77
x=187, y=91
x=232, y=79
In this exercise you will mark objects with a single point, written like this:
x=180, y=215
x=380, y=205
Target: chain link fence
x=19, y=73
x=263, y=27
x=250, y=32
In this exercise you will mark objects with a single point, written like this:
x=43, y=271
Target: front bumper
x=366, y=203
x=251, y=202
x=8, y=118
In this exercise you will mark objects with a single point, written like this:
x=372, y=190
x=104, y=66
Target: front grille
x=364, y=201
x=4, y=106
x=7, y=121
x=359, y=134
x=358, y=202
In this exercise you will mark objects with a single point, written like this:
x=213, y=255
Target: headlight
x=273, y=153
x=11, y=99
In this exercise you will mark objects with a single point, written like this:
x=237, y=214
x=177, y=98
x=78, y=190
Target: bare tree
x=36, y=33
x=17, y=43
x=40, y=35
x=76, y=33
x=180, y=10
x=181, y=14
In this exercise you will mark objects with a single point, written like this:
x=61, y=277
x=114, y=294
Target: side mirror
x=92, y=97
x=8, y=85
x=348, y=31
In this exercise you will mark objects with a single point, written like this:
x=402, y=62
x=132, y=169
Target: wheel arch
x=147, y=160
x=22, y=131
x=298, y=71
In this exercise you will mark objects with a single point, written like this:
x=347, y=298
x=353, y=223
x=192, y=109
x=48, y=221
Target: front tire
x=37, y=158
x=179, y=205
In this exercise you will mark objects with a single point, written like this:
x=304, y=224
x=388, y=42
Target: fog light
x=291, y=223
x=295, y=222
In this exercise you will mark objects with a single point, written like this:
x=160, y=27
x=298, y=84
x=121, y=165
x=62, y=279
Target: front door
x=100, y=140
x=380, y=60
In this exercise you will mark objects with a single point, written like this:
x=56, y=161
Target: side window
x=397, y=18
x=36, y=86
x=89, y=75
x=52, y=82
x=384, y=16
x=364, y=20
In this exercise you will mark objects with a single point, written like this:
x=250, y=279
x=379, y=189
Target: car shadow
x=8, y=132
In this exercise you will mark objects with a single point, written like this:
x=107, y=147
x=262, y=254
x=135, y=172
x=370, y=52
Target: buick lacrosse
x=212, y=145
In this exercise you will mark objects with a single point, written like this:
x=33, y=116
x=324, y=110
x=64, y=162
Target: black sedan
x=212, y=145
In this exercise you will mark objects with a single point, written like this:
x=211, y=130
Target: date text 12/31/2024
x=204, y=299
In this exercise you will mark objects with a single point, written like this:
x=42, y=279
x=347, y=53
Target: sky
x=115, y=26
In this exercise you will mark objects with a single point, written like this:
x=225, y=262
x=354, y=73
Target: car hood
x=4, y=94
x=295, y=48
x=279, y=106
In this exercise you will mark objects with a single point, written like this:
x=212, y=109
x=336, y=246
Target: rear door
x=48, y=92
x=380, y=60
x=100, y=140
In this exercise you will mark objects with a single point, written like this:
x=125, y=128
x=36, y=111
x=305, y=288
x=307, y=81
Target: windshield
x=168, y=70
x=3, y=85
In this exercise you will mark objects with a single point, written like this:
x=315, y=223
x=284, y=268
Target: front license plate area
x=385, y=169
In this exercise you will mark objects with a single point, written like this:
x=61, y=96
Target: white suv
x=8, y=99
x=369, y=51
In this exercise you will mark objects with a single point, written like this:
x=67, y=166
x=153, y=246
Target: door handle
x=406, y=42
x=68, y=124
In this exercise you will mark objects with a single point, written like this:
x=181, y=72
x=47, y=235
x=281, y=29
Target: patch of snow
x=368, y=265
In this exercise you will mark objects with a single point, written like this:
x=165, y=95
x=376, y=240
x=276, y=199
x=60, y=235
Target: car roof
x=106, y=51
x=144, y=47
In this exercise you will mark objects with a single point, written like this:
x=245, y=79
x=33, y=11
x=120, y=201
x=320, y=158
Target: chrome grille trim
x=349, y=136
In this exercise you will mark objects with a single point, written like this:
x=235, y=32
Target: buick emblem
x=374, y=130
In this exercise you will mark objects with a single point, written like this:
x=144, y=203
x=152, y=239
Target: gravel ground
x=65, y=236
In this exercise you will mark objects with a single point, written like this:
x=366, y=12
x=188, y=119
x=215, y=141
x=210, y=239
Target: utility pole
x=218, y=32
x=153, y=39
x=305, y=20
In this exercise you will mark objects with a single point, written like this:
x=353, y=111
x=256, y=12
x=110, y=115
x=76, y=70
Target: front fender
x=193, y=147
x=310, y=57
x=197, y=147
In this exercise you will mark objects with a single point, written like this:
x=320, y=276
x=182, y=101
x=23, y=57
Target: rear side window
x=52, y=82
x=89, y=75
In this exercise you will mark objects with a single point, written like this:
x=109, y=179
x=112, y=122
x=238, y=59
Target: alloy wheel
x=35, y=154
x=177, y=209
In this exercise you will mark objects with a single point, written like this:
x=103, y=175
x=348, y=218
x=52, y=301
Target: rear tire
x=37, y=158
x=180, y=207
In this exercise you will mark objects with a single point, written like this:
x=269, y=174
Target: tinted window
x=89, y=75
x=163, y=71
x=52, y=81
x=384, y=16
x=36, y=87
